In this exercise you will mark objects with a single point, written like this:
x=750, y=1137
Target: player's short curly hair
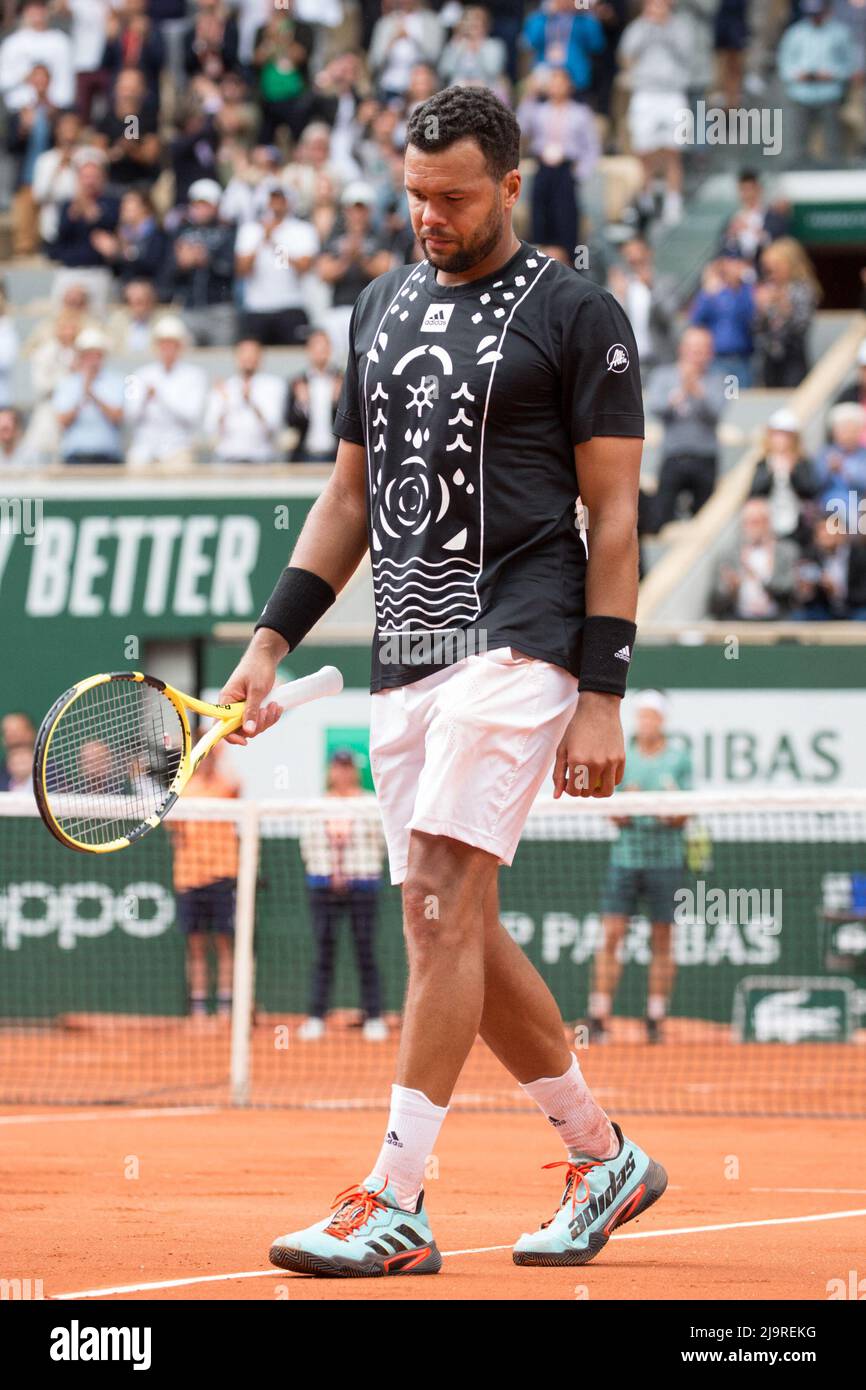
x=460, y=113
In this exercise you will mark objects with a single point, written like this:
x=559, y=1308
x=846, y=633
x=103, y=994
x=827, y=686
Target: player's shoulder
x=382, y=289
x=569, y=288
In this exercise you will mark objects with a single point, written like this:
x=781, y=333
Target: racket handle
x=328, y=681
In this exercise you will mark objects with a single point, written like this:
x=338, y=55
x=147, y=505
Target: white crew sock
x=656, y=1007
x=413, y=1127
x=569, y=1104
x=599, y=1005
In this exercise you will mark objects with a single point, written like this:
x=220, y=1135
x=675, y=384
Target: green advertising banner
x=90, y=572
x=83, y=934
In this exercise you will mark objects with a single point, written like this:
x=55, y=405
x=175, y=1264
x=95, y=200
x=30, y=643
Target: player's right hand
x=252, y=679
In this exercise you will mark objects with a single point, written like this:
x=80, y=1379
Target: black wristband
x=608, y=644
x=296, y=605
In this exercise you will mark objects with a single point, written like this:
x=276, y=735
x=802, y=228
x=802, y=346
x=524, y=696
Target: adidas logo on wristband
x=624, y=654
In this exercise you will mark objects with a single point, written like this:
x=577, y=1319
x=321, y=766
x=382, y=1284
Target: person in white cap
x=272, y=254
x=200, y=268
x=165, y=401
x=351, y=258
x=244, y=413
x=786, y=477
x=647, y=865
x=88, y=404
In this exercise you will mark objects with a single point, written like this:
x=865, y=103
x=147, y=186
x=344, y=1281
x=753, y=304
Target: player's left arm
x=590, y=760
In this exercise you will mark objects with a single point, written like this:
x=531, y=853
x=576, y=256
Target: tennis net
x=118, y=984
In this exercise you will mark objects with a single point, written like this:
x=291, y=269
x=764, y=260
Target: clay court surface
x=215, y=1185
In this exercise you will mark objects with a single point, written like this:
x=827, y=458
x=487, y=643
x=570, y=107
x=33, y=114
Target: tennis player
x=486, y=387
x=647, y=866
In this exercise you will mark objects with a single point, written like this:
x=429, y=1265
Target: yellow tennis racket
x=115, y=751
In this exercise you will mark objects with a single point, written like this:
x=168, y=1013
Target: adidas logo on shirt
x=391, y=1138
x=436, y=318
x=624, y=654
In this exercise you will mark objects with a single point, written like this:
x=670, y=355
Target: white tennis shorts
x=654, y=119
x=463, y=752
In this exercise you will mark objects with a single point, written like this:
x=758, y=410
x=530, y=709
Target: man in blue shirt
x=89, y=405
x=817, y=59
x=560, y=37
x=726, y=306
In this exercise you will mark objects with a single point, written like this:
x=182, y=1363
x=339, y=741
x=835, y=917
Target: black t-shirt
x=469, y=400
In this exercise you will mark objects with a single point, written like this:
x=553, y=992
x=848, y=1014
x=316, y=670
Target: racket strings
x=114, y=754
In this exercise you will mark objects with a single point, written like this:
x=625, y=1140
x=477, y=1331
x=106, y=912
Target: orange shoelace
x=354, y=1207
x=575, y=1179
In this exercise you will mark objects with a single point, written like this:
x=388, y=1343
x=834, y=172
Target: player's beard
x=470, y=253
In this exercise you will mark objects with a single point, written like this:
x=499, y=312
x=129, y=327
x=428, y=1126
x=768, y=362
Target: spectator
x=91, y=210
x=755, y=581
x=730, y=42
x=612, y=15
x=754, y=225
x=133, y=41
x=688, y=399
x=204, y=871
x=471, y=58
x=816, y=60
x=14, y=450
x=244, y=414
x=272, y=255
x=655, y=52
x=312, y=158
x=236, y=116
x=841, y=465
x=560, y=134
x=785, y=303
x=342, y=858
x=786, y=477
x=89, y=405
x=19, y=769
x=165, y=402
x=338, y=101
x=252, y=176
x=8, y=350
x=29, y=135
x=55, y=175
x=282, y=59
x=650, y=300
x=855, y=391
x=407, y=34
x=53, y=359
x=131, y=327
x=211, y=44
x=200, y=268
x=193, y=151
x=506, y=18
x=312, y=403
x=32, y=43
x=558, y=37
x=831, y=576
x=137, y=250
x=726, y=306
x=128, y=133
x=17, y=731
x=351, y=259
x=89, y=26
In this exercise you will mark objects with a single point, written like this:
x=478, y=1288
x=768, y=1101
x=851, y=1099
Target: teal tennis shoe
x=366, y=1236
x=599, y=1195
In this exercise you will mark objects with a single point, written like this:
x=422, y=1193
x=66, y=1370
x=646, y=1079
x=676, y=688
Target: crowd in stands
x=227, y=174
